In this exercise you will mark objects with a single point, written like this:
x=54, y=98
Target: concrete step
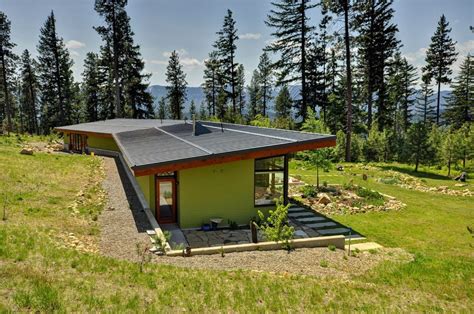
x=305, y=214
x=354, y=237
x=311, y=219
x=322, y=225
x=296, y=209
x=333, y=231
x=364, y=246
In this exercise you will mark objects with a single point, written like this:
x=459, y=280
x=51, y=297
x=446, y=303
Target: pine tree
x=162, y=114
x=212, y=82
x=254, y=93
x=55, y=77
x=176, y=89
x=202, y=111
x=418, y=143
x=265, y=81
x=91, y=87
x=292, y=33
x=401, y=91
x=192, y=109
x=125, y=78
x=283, y=103
x=7, y=61
x=377, y=44
x=226, y=47
x=240, y=89
x=460, y=105
x=440, y=55
x=29, y=92
x=424, y=102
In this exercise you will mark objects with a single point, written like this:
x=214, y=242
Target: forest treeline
x=354, y=81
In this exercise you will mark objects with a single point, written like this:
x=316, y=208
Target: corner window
x=269, y=180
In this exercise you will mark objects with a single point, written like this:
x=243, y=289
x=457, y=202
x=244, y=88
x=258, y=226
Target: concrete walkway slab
x=364, y=246
x=322, y=225
x=301, y=215
x=333, y=231
x=311, y=219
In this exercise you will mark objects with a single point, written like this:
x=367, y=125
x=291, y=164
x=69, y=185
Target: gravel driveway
x=122, y=223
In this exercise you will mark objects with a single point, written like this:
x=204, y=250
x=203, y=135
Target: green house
x=191, y=172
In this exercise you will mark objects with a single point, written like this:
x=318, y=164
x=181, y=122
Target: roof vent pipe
x=194, y=124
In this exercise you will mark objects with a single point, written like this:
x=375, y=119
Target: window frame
x=285, y=179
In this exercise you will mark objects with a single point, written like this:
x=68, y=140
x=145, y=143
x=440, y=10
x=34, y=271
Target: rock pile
x=31, y=148
x=80, y=243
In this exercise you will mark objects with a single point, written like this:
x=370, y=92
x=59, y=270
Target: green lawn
x=37, y=274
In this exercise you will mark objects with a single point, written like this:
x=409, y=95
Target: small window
x=269, y=180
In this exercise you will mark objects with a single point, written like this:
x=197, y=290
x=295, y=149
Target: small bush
x=368, y=194
x=390, y=181
x=324, y=263
x=275, y=227
x=331, y=247
x=232, y=225
x=309, y=191
x=373, y=251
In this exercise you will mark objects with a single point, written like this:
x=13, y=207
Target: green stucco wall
x=147, y=185
x=225, y=190
x=102, y=143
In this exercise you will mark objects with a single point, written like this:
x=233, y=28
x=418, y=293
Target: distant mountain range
x=197, y=94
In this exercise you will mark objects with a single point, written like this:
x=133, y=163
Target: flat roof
x=165, y=145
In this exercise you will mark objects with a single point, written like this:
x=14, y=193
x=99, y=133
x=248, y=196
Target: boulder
x=324, y=199
x=26, y=151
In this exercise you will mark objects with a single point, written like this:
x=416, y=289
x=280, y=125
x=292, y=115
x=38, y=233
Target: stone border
x=141, y=197
x=338, y=241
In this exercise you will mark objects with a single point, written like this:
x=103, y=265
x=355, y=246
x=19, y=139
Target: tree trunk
x=5, y=90
x=118, y=106
x=349, y=81
x=303, y=62
x=437, y=101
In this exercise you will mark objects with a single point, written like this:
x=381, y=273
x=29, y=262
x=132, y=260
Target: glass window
x=272, y=163
x=269, y=180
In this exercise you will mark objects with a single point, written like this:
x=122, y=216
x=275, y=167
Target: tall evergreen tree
x=29, y=92
x=265, y=81
x=292, y=33
x=424, y=101
x=401, y=91
x=283, y=103
x=212, y=81
x=55, y=77
x=418, y=143
x=226, y=47
x=7, y=59
x=240, y=88
x=91, y=87
x=176, y=89
x=253, y=91
x=192, y=109
x=377, y=44
x=460, y=105
x=440, y=55
x=162, y=114
x=121, y=55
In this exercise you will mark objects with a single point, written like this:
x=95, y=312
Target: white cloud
x=250, y=36
x=74, y=44
x=181, y=52
x=74, y=53
x=159, y=62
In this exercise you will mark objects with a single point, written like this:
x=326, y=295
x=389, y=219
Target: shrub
x=275, y=227
x=331, y=247
x=309, y=191
x=368, y=194
x=232, y=225
x=324, y=263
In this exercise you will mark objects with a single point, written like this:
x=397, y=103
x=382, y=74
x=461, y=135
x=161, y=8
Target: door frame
x=173, y=218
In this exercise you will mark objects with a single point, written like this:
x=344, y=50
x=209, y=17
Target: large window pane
x=268, y=187
x=273, y=163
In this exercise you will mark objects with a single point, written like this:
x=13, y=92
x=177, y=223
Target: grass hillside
x=47, y=197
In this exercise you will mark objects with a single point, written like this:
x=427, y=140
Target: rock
x=26, y=151
x=339, y=168
x=364, y=177
x=324, y=199
x=460, y=184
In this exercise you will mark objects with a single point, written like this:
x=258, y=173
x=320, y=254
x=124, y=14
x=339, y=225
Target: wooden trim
x=95, y=134
x=219, y=159
x=157, y=199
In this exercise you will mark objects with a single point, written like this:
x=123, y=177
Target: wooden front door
x=166, y=200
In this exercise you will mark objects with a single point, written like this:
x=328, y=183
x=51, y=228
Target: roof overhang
x=214, y=159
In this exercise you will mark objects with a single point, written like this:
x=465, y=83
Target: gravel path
x=122, y=223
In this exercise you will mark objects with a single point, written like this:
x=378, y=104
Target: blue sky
x=189, y=26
